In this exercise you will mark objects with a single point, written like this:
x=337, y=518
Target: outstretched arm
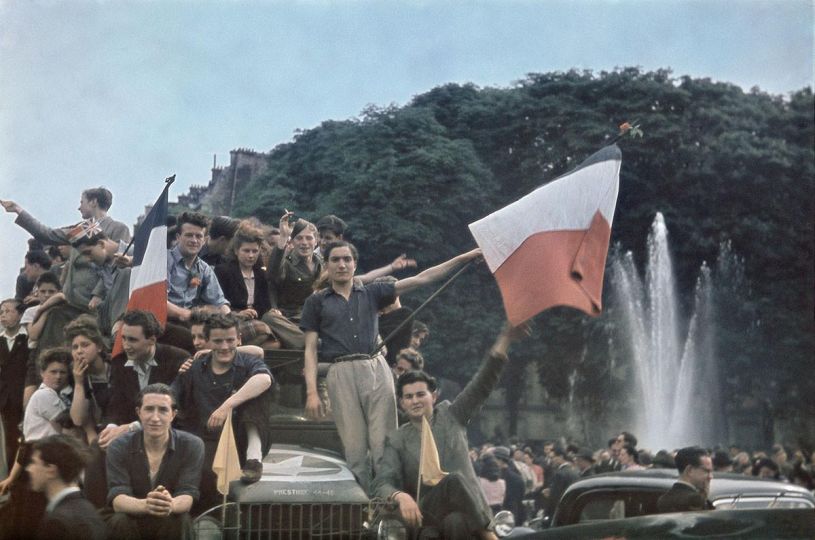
x=399, y=263
x=436, y=273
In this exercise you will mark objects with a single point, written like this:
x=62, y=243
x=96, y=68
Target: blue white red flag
x=148, y=277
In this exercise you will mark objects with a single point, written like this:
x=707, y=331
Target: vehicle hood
x=295, y=474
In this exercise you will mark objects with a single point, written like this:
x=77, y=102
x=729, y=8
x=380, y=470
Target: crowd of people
x=529, y=479
x=101, y=439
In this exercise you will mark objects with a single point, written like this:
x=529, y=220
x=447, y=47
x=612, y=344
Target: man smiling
x=221, y=381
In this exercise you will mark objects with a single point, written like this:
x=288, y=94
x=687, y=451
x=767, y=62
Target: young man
x=94, y=245
x=142, y=363
x=191, y=283
x=153, y=474
x=693, y=485
x=456, y=504
x=54, y=469
x=37, y=262
x=13, y=366
x=227, y=380
x=221, y=231
x=344, y=316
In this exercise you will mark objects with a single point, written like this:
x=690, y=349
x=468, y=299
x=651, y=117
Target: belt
x=351, y=358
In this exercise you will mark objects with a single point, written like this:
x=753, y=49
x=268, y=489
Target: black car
x=635, y=493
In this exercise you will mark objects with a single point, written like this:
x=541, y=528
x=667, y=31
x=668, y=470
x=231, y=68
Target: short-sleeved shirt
x=200, y=391
x=181, y=290
x=347, y=326
x=128, y=471
x=45, y=406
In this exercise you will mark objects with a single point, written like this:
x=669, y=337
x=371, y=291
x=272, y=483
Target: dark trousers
x=126, y=527
x=452, y=507
x=11, y=428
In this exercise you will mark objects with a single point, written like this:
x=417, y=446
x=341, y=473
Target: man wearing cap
x=514, y=495
x=344, y=317
x=456, y=503
x=584, y=460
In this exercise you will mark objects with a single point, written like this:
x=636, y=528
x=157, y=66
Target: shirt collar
x=140, y=441
x=59, y=496
x=151, y=363
x=20, y=332
x=687, y=484
x=67, y=391
x=357, y=286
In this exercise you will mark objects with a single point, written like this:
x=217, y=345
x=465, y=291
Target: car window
x=617, y=505
x=747, y=503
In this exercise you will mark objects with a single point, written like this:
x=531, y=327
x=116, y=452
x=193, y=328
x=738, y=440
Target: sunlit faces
x=417, y=400
x=190, y=239
x=137, y=347
x=341, y=265
x=199, y=341
x=156, y=414
x=247, y=254
x=84, y=350
x=55, y=376
x=326, y=237
x=39, y=472
x=700, y=476
x=304, y=242
x=86, y=207
x=224, y=343
x=9, y=316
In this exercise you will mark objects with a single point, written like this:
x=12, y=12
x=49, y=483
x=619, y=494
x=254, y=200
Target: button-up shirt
x=182, y=292
x=347, y=326
x=142, y=369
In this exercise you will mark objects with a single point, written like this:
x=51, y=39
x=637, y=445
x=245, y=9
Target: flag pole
x=168, y=181
x=412, y=316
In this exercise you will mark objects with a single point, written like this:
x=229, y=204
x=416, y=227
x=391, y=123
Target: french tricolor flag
x=550, y=247
x=148, y=277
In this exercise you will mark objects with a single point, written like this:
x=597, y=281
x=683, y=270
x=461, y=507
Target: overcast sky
x=122, y=94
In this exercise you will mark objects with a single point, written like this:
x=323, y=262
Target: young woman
x=242, y=278
x=91, y=371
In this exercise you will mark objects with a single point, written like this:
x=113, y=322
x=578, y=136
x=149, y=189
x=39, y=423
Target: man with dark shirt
x=227, y=380
x=54, y=469
x=143, y=362
x=690, y=491
x=564, y=476
x=344, y=316
x=153, y=474
x=456, y=504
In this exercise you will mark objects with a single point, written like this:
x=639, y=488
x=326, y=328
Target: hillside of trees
x=720, y=163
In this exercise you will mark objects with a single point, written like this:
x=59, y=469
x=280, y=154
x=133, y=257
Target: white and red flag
x=148, y=278
x=550, y=247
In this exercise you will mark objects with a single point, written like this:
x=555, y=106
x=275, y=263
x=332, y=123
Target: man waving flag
x=549, y=248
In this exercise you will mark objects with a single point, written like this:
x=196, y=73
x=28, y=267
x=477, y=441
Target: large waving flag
x=550, y=247
x=148, y=278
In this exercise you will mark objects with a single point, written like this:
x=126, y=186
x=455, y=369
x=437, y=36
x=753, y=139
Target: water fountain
x=674, y=358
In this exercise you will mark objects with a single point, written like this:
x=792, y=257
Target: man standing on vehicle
x=456, y=505
x=344, y=316
x=691, y=490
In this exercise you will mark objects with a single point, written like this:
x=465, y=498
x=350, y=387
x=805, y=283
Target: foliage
x=718, y=162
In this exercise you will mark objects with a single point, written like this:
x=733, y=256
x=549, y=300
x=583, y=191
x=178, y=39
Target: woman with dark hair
x=630, y=458
x=492, y=484
x=242, y=278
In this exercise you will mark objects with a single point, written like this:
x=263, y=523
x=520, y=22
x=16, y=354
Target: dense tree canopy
x=721, y=164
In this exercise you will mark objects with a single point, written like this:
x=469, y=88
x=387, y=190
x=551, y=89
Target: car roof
x=722, y=485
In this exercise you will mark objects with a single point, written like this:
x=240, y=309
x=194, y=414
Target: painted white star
x=293, y=467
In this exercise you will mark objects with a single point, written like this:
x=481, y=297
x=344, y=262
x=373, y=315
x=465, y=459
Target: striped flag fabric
x=148, y=277
x=549, y=248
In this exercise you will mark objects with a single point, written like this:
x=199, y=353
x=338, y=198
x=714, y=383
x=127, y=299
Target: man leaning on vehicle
x=691, y=490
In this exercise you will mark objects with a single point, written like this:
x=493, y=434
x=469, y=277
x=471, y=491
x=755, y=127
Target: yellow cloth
x=430, y=472
x=226, y=464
